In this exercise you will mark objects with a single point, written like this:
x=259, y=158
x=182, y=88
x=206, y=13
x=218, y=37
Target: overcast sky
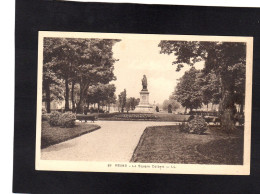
x=142, y=57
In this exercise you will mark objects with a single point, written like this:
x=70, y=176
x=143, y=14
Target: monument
x=144, y=105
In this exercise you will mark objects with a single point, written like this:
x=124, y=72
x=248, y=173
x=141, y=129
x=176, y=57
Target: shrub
x=190, y=118
x=67, y=119
x=44, y=111
x=45, y=117
x=197, y=126
x=62, y=119
x=54, y=118
x=183, y=128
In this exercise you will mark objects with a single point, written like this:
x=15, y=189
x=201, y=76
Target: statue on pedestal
x=144, y=82
x=144, y=105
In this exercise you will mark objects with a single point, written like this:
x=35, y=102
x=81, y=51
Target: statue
x=144, y=83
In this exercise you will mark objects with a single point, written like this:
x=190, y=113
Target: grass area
x=171, y=117
x=165, y=144
x=53, y=135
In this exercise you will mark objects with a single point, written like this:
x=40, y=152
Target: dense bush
x=183, y=127
x=44, y=111
x=45, y=117
x=67, y=119
x=197, y=126
x=64, y=120
x=54, y=118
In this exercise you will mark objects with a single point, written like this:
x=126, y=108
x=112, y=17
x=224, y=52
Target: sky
x=142, y=57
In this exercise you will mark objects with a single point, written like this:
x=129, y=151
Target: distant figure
x=85, y=111
x=144, y=82
x=169, y=108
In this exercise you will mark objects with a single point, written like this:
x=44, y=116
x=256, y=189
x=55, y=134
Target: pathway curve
x=114, y=142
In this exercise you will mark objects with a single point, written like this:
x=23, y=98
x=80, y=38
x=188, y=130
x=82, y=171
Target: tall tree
x=111, y=100
x=95, y=64
x=134, y=102
x=131, y=103
x=82, y=61
x=226, y=59
x=101, y=94
x=210, y=88
x=51, y=85
x=122, y=100
x=174, y=105
x=187, y=91
x=62, y=56
x=128, y=104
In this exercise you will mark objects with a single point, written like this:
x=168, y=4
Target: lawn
x=165, y=144
x=53, y=135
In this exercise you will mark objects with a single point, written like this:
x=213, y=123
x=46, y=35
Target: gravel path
x=114, y=142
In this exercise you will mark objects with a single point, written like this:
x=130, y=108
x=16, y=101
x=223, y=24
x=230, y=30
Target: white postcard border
x=127, y=167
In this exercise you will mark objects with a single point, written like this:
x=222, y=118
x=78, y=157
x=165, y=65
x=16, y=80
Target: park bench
x=239, y=119
x=212, y=119
x=86, y=118
x=216, y=120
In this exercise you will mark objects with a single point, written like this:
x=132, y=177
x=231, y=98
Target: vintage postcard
x=144, y=103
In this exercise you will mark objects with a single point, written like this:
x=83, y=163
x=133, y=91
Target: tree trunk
x=66, y=94
x=185, y=112
x=242, y=108
x=80, y=104
x=48, y=97
x=227, y=111
x=80, y=107
x=72, y=96
x=98, y=107
x=82, y=97
x=226, y=106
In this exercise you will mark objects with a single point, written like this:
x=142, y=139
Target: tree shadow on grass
x=59, y=146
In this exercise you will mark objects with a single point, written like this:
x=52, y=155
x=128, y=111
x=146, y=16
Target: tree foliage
x=171, y=102
x=122, y=100
x=101, y=94
x=210, y=87
x=131, y=103
x=79, y=61
x=226, y=59
x=51, y=85
x=188, y=91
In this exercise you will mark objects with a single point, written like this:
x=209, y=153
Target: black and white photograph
x=144, y=103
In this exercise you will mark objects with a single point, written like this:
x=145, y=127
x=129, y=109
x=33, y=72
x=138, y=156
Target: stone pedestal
x=144, y=105
x=144, y=97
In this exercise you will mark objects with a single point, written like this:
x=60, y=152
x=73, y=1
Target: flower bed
x=132, y=116
x=136, y=116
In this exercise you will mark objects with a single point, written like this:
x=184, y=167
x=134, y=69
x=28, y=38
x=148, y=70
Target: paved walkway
x=114, y=142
